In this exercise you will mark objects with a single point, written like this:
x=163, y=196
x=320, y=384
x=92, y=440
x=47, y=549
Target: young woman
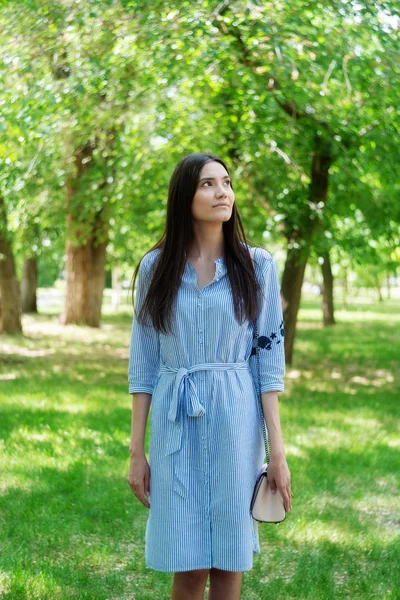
x=198, y=294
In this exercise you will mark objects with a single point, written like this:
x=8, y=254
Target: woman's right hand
x=139, y=477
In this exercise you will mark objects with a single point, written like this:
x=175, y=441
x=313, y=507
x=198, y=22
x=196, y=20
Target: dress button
x=200, y=341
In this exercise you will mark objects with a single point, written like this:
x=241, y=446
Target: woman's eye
x=227, y=181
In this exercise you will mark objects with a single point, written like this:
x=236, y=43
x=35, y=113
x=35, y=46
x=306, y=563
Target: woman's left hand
x=278, y=475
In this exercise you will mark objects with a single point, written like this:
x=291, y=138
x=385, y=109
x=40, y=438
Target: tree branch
x=288, y=106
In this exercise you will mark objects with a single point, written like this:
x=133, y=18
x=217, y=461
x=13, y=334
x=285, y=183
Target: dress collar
x=220, y=268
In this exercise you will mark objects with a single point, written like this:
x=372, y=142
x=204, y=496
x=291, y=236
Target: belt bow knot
x=185, y=402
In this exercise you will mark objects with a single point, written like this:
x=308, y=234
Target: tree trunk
x=10, y=298
x=96, y=283
x=379, y=290
x=86, y=253
x=388, y=287
x=85, y=283
x=300, y=241
x=76, y=284
x=85, y=274
x=345, y=288
x=327, y=291
x=29, y=285
x=292, y=282
x=116, y=287
x=85, y=249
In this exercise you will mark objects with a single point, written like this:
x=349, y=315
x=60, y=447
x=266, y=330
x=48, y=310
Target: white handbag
x=265, y=506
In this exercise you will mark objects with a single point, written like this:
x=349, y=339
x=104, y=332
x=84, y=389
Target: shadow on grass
x=323, y=571
x=55, y=422
x=82, y=529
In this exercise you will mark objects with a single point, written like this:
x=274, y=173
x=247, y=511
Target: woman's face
x=213, y=188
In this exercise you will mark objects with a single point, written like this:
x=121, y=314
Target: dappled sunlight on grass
x=311, y=530
x=5, y=376
x=381, y=508
x=381, y=379
x=13, y=349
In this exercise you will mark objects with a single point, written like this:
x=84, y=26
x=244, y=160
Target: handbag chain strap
x=266, y=438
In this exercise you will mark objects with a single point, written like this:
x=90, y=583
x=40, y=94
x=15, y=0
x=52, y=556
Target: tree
x=10, y=301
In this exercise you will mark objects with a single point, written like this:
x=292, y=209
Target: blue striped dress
x=206, y=438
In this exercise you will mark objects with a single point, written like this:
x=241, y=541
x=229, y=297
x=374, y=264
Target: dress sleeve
x=144, y=351
x=270, y=332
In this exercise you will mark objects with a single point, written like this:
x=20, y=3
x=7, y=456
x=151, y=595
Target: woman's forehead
x=213, y=169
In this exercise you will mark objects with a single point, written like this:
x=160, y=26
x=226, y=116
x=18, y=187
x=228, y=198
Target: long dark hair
x=176, y=240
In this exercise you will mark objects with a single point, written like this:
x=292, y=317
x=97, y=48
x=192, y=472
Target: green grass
x=70, y=527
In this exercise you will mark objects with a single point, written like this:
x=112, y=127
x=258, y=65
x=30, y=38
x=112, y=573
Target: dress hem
x=165, y=570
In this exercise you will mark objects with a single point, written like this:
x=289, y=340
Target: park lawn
x=70, y=527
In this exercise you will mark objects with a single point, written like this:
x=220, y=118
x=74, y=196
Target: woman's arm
x=139, y=470
x=272, y=370
x=278, y=471
x=141, y=402
x=144, y=351
x=271, y=414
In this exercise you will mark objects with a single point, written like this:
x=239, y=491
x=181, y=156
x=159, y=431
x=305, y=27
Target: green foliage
x=143, y=84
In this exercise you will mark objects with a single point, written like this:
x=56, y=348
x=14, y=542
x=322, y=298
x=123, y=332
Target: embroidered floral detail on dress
x=266, y=343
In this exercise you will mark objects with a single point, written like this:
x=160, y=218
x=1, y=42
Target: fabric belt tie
x=185, y=402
